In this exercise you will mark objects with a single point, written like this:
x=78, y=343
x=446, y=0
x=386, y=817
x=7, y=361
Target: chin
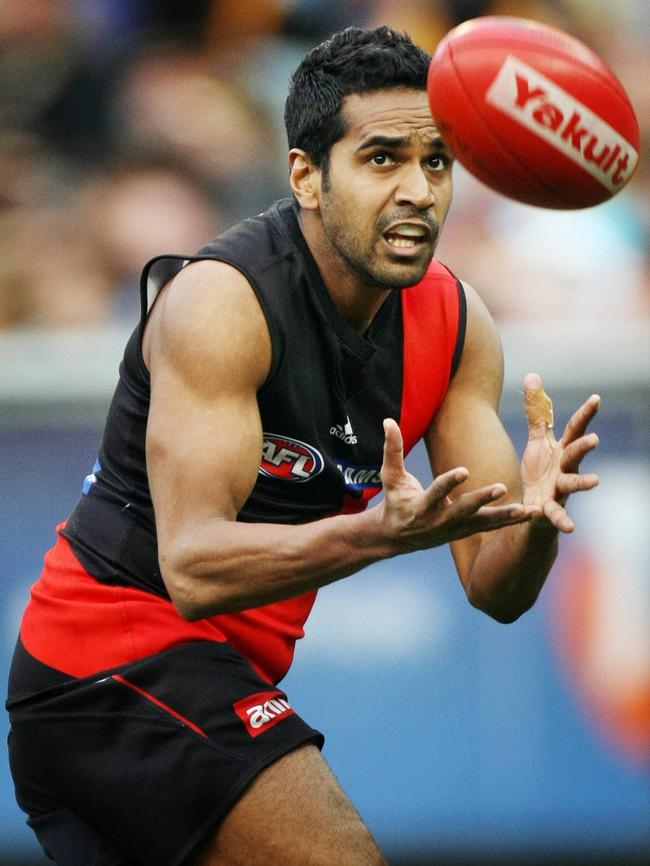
x=402, y=275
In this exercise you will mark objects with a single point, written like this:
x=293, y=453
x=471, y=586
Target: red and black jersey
x=322, y=406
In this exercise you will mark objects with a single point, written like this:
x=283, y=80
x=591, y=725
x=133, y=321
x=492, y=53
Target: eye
x=437, y=162
x=381, y=158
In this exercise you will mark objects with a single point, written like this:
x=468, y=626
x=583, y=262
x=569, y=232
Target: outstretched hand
x=423, y=517
x=550, y=468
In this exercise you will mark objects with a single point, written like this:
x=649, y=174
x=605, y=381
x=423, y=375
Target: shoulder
x=251, y=243
x=482, y=333
x=480, y=369
x=207, y=325
x=466, y=431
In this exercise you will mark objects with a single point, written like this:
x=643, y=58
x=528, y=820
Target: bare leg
x=295, y=813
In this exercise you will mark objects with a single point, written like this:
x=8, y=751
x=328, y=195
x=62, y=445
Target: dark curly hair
x=352, y=61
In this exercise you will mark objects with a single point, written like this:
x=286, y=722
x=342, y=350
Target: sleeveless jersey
x=322, y=407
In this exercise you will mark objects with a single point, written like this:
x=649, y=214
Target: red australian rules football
x=533, y=112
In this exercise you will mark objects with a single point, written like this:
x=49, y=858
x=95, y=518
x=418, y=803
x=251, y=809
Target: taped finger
x=538, y=406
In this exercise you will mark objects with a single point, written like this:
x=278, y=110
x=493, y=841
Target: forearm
x=510, y=569
x=223, y=566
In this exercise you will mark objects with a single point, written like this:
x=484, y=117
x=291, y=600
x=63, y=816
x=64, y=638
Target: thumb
x=393, y=464
x=537, y=405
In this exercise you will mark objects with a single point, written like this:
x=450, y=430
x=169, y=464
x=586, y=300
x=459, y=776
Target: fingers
x=443, y=484
x=393, y=463
x=464, y=519
x=573, y=483
x=557, y=516
x=468, y=502
x=539, y=413
x=393, y=470
x=580, y=420
x=489, y=519
x=538, y=406
x=575, y=451
x=539, y=410
x=475, y=510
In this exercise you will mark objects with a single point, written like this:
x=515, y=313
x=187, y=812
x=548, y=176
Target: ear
x=305, y=179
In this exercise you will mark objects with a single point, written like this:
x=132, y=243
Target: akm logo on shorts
x=289, y=459
x=262, y=711
x=547, y=110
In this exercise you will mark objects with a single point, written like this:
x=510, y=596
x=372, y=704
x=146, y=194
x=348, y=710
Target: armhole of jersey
x=462, y=328
x=155, y=274
x=433, y=339
x=161, y=269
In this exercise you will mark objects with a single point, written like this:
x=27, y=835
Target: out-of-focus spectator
x=630, y=57
x=51, y=274
x=27, y=170
x=51, y=85
x=137, y=210
x=170, y=100
x=186, y=100
x=427, y=22
x=111, y=21
x=77, y=263
x=534, y=265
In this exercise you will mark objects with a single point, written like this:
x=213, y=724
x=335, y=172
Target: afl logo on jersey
x=289, y=459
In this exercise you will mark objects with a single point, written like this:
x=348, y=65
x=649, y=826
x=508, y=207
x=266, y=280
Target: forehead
x=398, y=112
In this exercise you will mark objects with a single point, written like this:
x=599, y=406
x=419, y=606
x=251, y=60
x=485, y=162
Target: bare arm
x=503, y=572
x=208, y=350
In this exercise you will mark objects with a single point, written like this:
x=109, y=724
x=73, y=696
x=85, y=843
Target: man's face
x=387, y=189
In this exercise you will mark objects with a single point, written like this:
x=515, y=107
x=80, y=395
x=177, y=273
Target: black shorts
x=137, y=764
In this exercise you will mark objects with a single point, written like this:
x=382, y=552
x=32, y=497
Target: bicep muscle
x=208, y=350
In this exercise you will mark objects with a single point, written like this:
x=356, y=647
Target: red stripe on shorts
x=163, y=706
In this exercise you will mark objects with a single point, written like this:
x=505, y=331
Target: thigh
x=151, y=755
x=294, y=813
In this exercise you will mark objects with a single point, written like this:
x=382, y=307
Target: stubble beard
x=362, y=259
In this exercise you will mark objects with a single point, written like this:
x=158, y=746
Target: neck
x=357, y=301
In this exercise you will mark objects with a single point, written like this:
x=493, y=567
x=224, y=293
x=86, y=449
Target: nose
x=414, y=188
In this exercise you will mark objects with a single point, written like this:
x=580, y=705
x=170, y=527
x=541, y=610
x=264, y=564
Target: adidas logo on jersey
x=262, y=711
x=344, y=432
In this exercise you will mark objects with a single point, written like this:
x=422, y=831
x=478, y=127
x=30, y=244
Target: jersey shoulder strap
x=434, y=318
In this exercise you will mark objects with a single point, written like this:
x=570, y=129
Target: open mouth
x=405, y=236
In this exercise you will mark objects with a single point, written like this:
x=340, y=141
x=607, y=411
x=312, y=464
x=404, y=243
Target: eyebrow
x=398, y=142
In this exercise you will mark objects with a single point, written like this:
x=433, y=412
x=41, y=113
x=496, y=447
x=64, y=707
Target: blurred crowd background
x=132, y=128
